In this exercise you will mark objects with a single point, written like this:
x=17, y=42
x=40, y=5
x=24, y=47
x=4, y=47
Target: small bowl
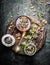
x=10, y=37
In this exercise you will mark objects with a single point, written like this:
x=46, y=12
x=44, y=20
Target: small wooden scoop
x=23, y=30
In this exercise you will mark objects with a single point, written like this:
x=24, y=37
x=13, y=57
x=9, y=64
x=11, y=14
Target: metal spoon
x=18, y=21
